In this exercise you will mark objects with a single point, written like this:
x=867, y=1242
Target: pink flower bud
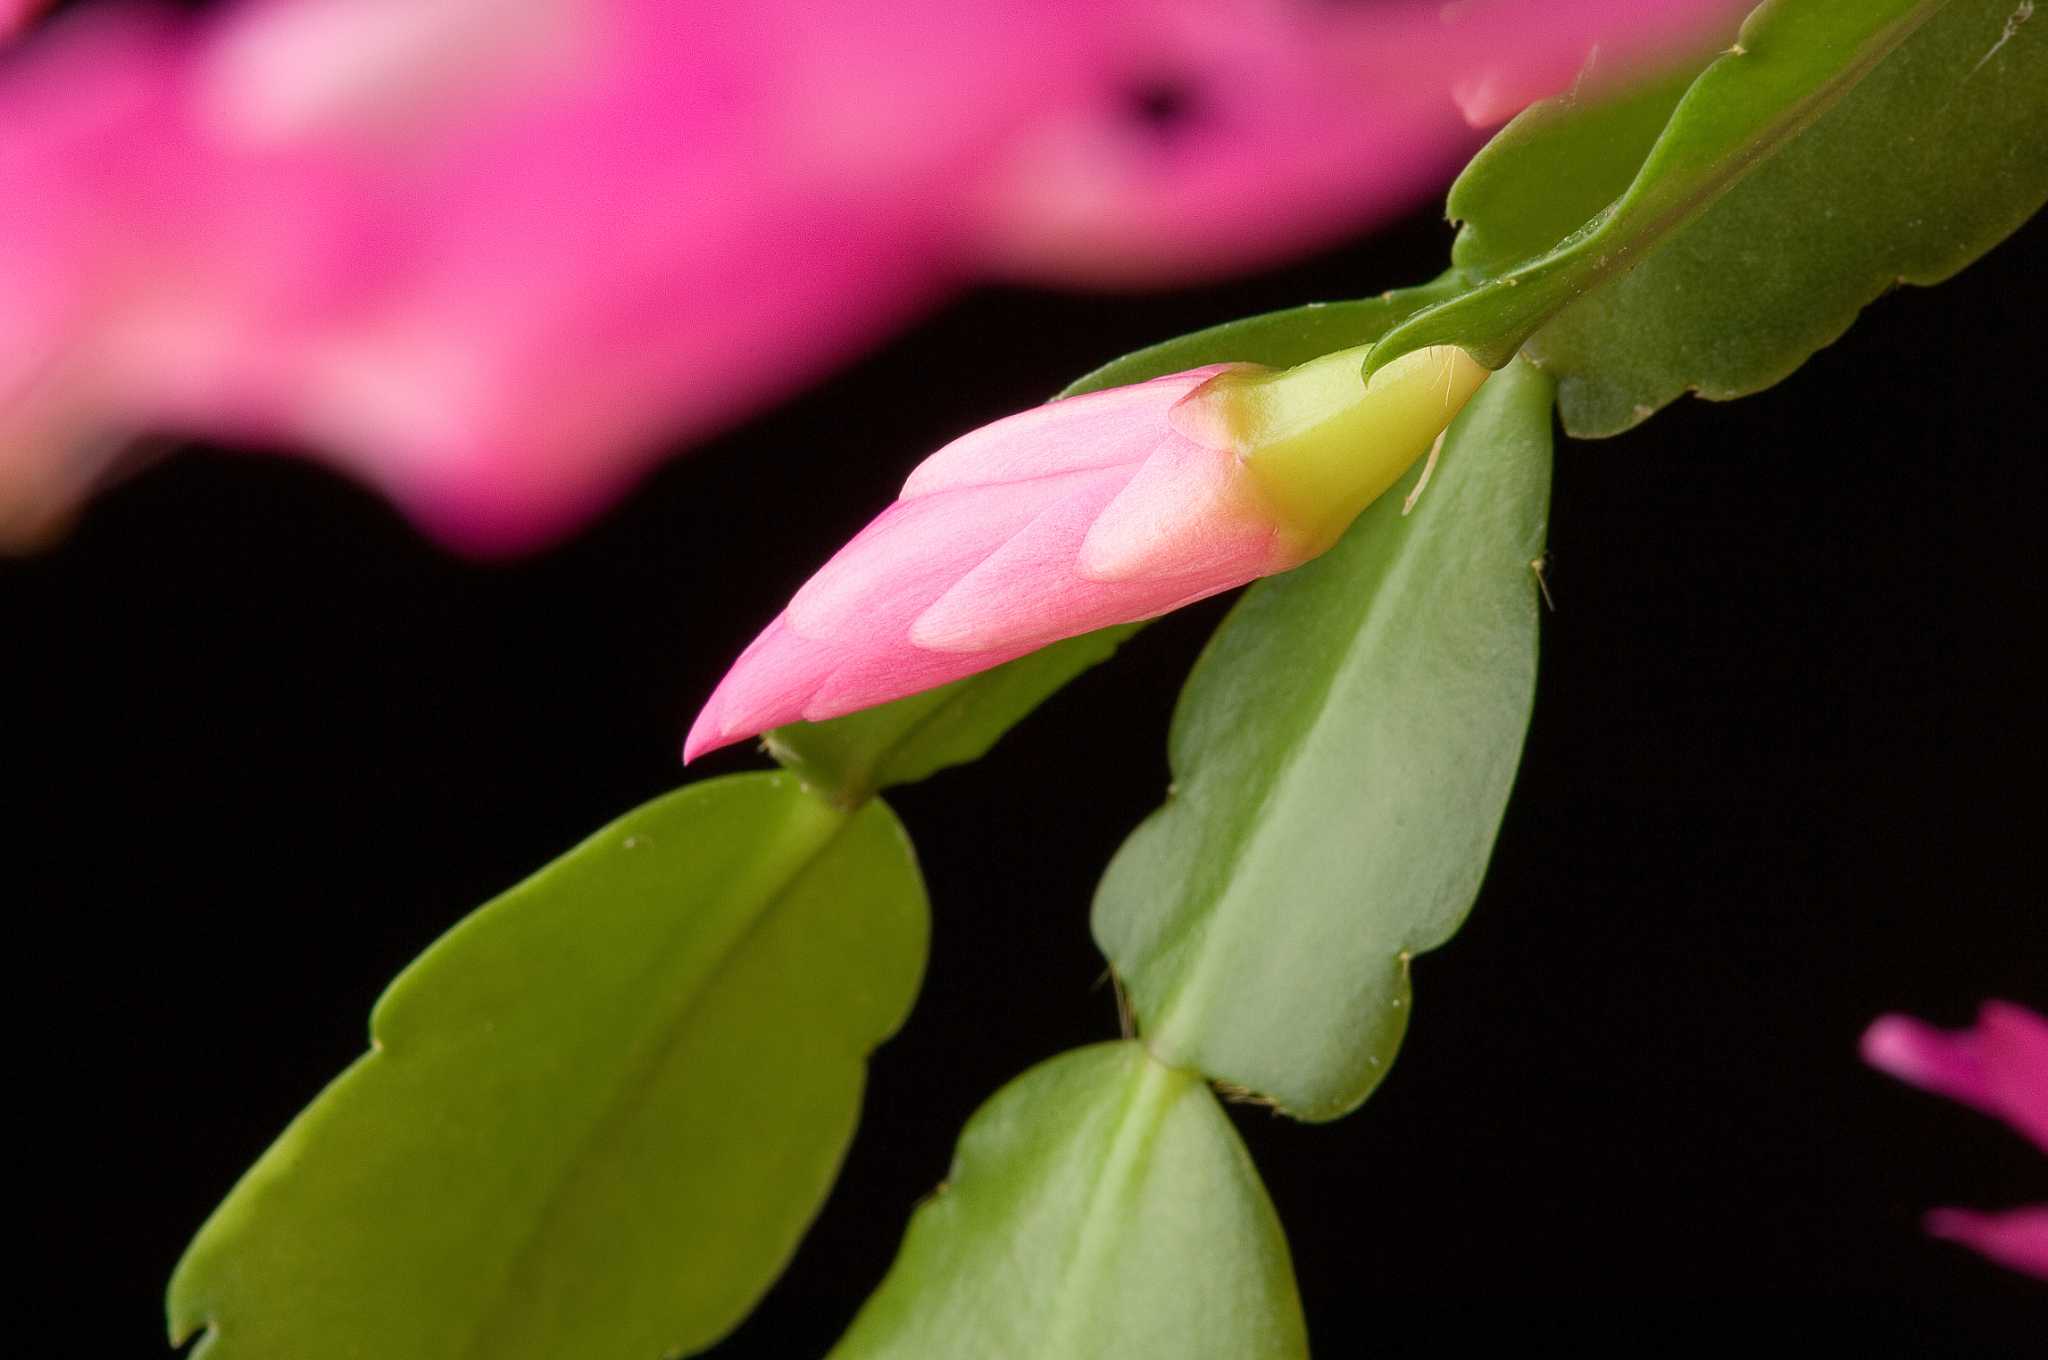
x=2000, y=1068
x=1091, y=511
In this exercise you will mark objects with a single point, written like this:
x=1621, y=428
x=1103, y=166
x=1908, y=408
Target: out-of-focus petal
x=14, y=16
x=2001, y=1068
x=1593, y=51
x=496, y=262
x=2013, y=1045
x=1279, y=126
x=1946, y=1062
x=2016, y=1239
x=382, y=69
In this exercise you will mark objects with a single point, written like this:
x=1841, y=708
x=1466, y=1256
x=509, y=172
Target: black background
x=265, y=744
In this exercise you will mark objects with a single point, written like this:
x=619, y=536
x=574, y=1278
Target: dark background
x=265, y=744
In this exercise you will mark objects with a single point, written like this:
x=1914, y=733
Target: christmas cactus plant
x=598, y=1115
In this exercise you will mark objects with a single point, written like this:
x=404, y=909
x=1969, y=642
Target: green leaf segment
x=1834, y=151
x=1332, y=816
x=1939, y=154
x=598, y=1114
x=1099, y=1206
x=1791, y=64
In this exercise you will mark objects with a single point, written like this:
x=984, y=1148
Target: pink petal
x=2016, y=1238
x=1071, y=608
x=1025, y=592
x=1190, y=510
x=1095, y=430
x=878, y=675
x=2013, y=1048
x=1035, y=590
x=14, y=16
x=377, y=69
x=916, y=549
x=1949, y=1064
x=2001, y=1068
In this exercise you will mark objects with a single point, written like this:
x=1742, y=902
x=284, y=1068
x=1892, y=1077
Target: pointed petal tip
x=718, y=726
x=696, y=744
x=769, y=685
x=707, y=732
x=712, y=732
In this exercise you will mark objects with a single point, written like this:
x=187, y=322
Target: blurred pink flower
x=494, y=258
x=2000, y=1068
x=15, y=14
x=1094, y=510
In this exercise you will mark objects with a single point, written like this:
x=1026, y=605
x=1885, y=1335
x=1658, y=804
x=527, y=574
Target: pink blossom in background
x=494, y=259
x=2000, y=1068
x=15, y=14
